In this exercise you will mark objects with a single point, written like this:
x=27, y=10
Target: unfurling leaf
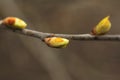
x=102, y=27
x=56, y=42
x=14, y=23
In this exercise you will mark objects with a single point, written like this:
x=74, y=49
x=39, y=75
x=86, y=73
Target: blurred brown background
x=26, y=58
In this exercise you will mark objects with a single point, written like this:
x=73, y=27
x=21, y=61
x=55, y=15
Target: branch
x=59, y=40
x=19, y=26
x=87, y=37
x=84, y=37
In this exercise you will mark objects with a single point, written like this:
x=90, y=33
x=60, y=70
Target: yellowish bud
x=56, y=42
x=102, y=27
x=14, y=23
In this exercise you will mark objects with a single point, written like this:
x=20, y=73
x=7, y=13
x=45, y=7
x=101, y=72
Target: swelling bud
x=102, y=27
x=14, y=23
x=56, y=42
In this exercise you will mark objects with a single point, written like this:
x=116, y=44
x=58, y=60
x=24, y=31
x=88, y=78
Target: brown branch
x=84, y=37
x=88, y=37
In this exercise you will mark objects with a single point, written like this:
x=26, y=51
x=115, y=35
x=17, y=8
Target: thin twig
x=88, y=37
x=84, y=37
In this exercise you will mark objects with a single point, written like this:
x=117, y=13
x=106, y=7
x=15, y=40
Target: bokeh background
x=27, y=58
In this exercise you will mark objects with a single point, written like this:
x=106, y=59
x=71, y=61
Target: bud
x=14, y=23
x=102, y=27
x=56, y=42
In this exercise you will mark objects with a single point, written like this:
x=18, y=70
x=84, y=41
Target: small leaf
x=102, y=27
x=56, y=42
